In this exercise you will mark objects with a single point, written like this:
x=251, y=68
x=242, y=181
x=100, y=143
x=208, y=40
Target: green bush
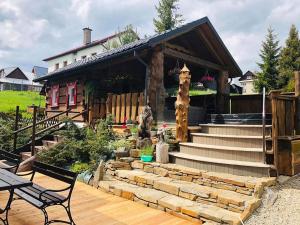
x=79, y=167
x=121, y=143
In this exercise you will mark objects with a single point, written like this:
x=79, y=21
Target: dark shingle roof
x=137, y=45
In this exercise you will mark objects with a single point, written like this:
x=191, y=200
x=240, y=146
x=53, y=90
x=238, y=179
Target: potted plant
x=147, y=154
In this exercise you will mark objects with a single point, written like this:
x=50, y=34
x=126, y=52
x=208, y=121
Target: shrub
x=121, y=143
x=79, y=167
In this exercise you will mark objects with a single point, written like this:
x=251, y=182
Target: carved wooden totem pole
x=182, y=105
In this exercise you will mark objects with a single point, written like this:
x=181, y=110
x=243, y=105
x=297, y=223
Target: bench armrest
x=32, y=173
x=56, y=191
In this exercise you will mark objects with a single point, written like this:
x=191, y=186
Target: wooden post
x=156, y=84
x=109, y=104
x=33, y=130
x=182, y=105
x=222, y=92
x=16, y=127
x=297, y=94
x=67, y=106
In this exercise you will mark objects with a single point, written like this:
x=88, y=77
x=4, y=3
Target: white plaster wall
x=248, y=87
x=70, y=58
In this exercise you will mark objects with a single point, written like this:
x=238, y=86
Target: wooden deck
x=92, y=207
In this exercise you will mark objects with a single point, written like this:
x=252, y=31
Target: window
x=83, y=57
x=54, y=98
x=65, y=63
x=95, y=53
x=56, y=66
x=72, y=93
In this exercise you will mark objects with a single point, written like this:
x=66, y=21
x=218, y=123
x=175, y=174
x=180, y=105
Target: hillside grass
x=10, y=99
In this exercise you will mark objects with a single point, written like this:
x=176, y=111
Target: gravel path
x=280, y=205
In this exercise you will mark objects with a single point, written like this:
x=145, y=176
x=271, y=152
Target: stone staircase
x=196, y=195
x=45, y=144
x=230, y=148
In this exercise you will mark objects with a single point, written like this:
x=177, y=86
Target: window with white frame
x=72, y=93
x=54, y=98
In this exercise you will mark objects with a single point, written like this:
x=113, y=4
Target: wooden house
x=126, y=74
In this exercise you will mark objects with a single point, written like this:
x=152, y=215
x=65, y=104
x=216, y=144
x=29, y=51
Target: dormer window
x=54, y=98
x=83, y=57
x=65, y=63
x=72, y=93
x=56, y=66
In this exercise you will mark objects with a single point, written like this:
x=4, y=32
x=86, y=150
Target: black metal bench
x=9, y=161
x=42, y=198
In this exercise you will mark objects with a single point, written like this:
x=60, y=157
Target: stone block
x=148, y=169
x=166, y=186
x=134, y=153
x=174, y=203
x=160, y=171
x=140, y=201
x=189, y=196
x=224, y=186
x=150, y=195
x=127, y=195
x=186, y=178
x=185, y=217
x=137, y=165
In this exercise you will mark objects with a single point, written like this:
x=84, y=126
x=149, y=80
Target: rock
x=27, y=164
x=150, y=195
x=99, y=174
x=175, y=203
x=167, y=186
x=282, y=179
x=134, y=153
x=271, y=197
x=148, y=169
x=127, y=159
x=160, y=171
x=141, y=143
x=162, y=152
x=137, y=165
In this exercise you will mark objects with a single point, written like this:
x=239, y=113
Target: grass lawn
x=10, y=99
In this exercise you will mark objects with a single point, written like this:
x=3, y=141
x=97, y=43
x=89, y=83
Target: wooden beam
x=178, y=48
x=210, y=46
x=192, y=59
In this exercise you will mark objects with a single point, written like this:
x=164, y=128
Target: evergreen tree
x=289, y=60
x=168, y=18
x=269, y=53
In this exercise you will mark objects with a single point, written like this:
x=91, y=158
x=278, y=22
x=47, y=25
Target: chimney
x=87, y=34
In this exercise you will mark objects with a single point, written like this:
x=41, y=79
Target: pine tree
x=289, y=60
x=168, y=18
x=269, y=53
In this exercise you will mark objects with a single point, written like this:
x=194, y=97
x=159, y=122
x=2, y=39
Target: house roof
x=93, y=43
x=29, y=81
x=146, y=43
x=248, y=75
x=39, y=71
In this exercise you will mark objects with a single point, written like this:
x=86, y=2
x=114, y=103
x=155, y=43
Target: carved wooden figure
x=182, y=105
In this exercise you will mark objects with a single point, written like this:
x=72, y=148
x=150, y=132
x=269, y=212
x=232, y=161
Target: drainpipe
x=146, y=76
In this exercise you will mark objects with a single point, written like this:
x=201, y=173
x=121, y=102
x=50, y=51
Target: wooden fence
x=125, y=106
x=283, y=120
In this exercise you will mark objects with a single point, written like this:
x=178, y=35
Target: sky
x=33, y=30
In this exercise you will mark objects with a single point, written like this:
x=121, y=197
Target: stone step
x=38, y=149
x=223, y=152
x=58, y=138
x=49, y=144
x=25, y=155
x=195, y=211
x=229, y=199
x=234, y=167
x=228, y=140
x=236, y=129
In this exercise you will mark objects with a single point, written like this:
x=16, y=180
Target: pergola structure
x=145, y=66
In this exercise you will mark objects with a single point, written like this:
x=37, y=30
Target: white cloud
x=33, y=31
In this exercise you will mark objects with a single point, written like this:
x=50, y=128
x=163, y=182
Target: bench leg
x=46, y=217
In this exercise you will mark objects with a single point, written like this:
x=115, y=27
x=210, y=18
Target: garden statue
x=144, y=128
x=162, y=148
x=182, y=105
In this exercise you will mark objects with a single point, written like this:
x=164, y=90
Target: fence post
x=16, y=127
x=68, y=98
x=297, y=94
x=33, y=130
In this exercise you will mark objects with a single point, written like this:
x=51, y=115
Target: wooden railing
x=283, y=119
x=39, y=127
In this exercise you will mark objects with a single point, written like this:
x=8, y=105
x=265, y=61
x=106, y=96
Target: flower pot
x=146, y=158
